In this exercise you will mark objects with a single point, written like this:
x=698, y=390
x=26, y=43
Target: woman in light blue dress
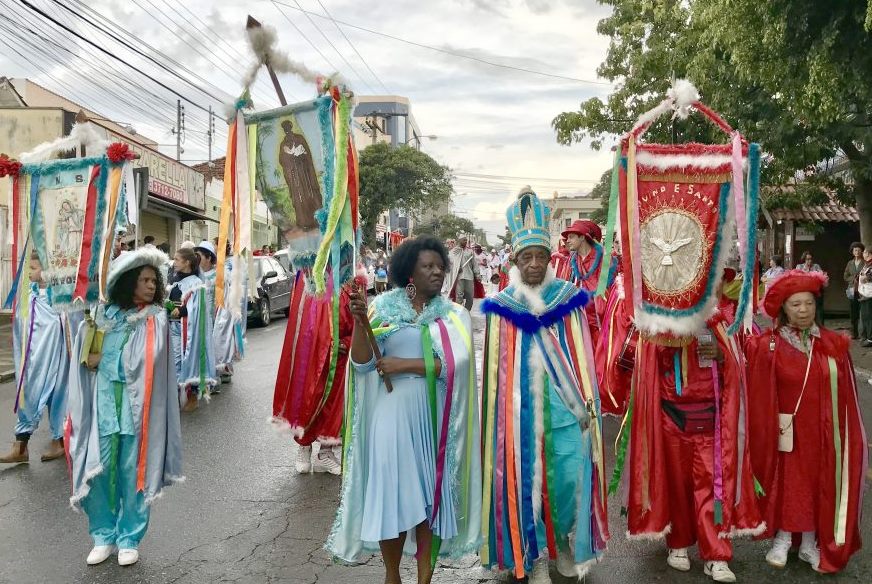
x=412, y=461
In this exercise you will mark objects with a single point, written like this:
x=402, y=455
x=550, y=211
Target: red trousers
x=690, y=473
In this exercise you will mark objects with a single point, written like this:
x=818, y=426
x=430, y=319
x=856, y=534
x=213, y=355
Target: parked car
x=284, y=259
x=274, y=285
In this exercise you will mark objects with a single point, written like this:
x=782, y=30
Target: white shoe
x=810, y=554
x=719, y=571
x=678, y=560
x=303, y=463
x=539, y=574
x=100, y=554
x=566, y=564
x=326, y=462
x=128, y=557
x=777, y=556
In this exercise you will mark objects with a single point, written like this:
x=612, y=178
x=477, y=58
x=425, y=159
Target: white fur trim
x=143, y=256
x=81, y=135
x=537, y=370
x=681, y=161
x=650, y=536
x=532, y=294
x=683, y=95
x=86, y=487
x=679, y=98
x=748, y=532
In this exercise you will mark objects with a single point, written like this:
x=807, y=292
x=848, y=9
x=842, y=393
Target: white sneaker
x=326, y=462
x=100, y=554
x=777, y=556
x=539, y=574
x=566, y=564
x=719, y=571
x=678, y=560
x=128, y=557
x=303, y=463
x=810, y=554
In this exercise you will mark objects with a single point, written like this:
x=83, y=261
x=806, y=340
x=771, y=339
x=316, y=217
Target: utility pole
x=178, y=129
x=210, y=132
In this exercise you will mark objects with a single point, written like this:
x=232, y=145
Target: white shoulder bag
x=785, y=421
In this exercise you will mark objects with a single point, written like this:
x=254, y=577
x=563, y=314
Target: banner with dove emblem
x=676, y=210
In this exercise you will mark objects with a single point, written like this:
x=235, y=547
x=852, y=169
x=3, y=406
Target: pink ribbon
x=718, y=455
x=503, y=393
x=446, y=416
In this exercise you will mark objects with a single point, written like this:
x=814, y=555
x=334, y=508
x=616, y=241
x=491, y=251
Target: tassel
x=758, y=488
x=676, y=360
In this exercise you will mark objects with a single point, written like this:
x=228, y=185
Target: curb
x=6, y=375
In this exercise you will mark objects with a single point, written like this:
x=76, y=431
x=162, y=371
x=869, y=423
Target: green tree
x=446, y=227
x=602, y=191
x=790, y=74
x=399, y=178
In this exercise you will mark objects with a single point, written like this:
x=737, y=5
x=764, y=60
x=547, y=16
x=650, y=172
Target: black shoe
x=866, y=343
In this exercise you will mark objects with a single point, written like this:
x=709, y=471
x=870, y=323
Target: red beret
x=585, y=228
x=788, y=284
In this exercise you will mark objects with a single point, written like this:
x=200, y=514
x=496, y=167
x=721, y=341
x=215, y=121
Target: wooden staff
x=253, y=23
x=376, y=352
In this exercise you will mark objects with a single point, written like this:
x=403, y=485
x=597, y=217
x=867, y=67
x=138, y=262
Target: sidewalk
x=7, y=369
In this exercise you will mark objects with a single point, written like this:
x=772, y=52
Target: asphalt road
x=243, y=515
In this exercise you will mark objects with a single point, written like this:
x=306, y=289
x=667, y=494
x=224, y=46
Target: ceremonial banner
x=681, y=206
x=68, y=226
x=305, y=169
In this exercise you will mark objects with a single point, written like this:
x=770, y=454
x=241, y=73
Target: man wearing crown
x=544, y=494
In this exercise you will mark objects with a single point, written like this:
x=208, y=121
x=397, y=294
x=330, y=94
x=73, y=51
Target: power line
x=238, y=54
x=452, y=53
x=359, y=56
x=329, y=42
x=133, y=101
x=134, y=49
x=218, y=40
x=302, y=34
x=222, y=64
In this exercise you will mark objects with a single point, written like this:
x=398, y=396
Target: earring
x=411, y=290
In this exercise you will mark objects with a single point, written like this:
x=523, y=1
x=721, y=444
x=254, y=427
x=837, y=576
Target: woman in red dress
x=808, y=444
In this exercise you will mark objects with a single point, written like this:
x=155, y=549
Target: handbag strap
x=805, y=381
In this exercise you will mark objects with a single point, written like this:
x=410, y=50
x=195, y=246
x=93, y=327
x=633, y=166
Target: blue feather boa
x=531, y=323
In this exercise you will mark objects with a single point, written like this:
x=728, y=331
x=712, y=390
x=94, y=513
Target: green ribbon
x=623, y=442
x=430, y=370
x=550, y=474
x=758, y=488
x=837, y=436
x=610, y=226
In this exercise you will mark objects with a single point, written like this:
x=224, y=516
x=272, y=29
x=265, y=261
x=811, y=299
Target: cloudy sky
x=489, y=120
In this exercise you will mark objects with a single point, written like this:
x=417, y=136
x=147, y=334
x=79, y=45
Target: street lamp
x=418, y=138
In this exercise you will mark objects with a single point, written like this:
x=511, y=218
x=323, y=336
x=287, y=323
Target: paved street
x=244, y=516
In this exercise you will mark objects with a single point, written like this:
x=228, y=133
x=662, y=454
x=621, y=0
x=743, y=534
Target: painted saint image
x=298, y=168
x=70, y=225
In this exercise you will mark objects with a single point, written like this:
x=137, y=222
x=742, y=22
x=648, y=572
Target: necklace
x=585, y=276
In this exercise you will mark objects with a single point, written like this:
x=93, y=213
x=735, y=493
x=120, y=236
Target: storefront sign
x=168, y=179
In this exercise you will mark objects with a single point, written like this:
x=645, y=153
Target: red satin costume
x=819, y=484
x=304, y=367
x=672, y=473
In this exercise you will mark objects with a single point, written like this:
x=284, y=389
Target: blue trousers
x=29, y=413
x=124, y=521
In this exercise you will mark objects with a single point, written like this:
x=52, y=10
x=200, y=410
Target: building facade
x=387, y=119
x=565, y=210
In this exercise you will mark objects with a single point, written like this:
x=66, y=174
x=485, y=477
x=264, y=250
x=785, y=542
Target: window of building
x=568, y=222
x=583, y=215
